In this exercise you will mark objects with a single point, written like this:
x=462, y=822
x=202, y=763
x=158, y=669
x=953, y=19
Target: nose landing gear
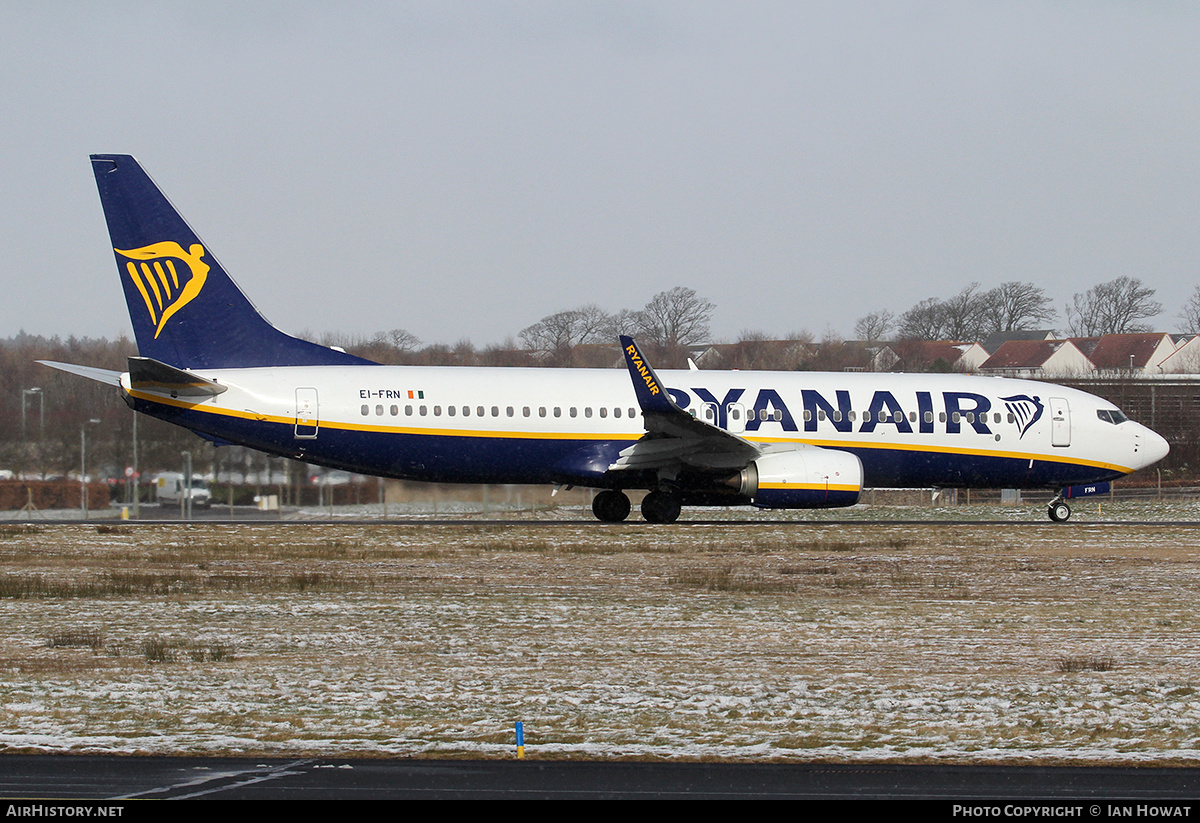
x=1059, y=511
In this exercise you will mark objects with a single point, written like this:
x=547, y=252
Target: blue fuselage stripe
x=500, y=459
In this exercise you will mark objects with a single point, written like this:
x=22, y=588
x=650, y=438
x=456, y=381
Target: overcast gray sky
x=462, y=169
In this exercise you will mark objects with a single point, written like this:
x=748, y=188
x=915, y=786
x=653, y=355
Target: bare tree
x=924, y=321
x=558, y=334
x=593, y=323
x=1015, y=306
x=1115, y=307
x=553, y=334
x=875, y=326
x=623, y=322
x=1189, y=318
x=403, y=340
x=965, y=315
x=676, y=318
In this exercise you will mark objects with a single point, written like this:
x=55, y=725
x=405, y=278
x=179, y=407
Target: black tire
x=1060, y=512
x=660, y=507
x=611, y=506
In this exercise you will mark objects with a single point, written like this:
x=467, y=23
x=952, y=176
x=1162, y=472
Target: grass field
x=1046, y=643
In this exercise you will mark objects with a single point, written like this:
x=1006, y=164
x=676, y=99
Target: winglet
x=651, y=394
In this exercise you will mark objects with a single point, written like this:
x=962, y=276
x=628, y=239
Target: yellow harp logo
x=160, y=281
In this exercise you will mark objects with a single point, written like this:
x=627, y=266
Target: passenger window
x=395, y=410
x=557, y=411
x=587, y=411
x=632, y=411
x=525, y=411
x=928, y=417
x=450, y=410
x=366, y=410
x=509, y=411
x=573, y=411
x=421, y=410
x=603, y=411
x=541, y=411
x=617, y=412
x=437, y=411
x=408, y=411
x=379, y=410
x=479, y=411
x=912, y=417
x=495, y=411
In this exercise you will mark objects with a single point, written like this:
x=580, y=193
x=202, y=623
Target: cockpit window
x=1114, y=416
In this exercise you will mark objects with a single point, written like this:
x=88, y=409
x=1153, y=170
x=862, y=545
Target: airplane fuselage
x=511, y=425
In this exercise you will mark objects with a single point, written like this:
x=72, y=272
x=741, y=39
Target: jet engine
x=810, y=478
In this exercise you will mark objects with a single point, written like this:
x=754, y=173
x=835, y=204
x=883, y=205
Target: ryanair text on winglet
x=640, y=365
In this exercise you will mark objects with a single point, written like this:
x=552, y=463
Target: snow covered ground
x=1043, y=643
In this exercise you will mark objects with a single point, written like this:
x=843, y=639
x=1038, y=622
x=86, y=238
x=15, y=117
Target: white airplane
x=211, y=363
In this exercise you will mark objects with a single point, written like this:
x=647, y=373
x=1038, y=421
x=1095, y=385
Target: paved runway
x=63, y=778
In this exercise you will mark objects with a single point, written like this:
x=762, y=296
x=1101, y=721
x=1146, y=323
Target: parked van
x=169, y=489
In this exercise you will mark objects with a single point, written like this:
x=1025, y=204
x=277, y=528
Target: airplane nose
x=1152, y=448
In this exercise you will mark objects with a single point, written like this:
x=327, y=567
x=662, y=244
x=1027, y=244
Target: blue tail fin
x=186, y=311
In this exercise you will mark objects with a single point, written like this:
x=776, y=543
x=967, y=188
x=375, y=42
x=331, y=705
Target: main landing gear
x=1059, y=511
x=612, y=506
x=660, y=507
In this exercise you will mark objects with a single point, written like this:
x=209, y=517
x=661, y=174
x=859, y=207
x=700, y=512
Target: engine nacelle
x=802, y=479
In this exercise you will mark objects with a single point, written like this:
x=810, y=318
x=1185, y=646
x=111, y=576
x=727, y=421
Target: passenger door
x=307, y=417
x=1060, y=422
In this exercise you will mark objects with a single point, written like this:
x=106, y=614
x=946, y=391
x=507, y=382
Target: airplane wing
x=672, y=435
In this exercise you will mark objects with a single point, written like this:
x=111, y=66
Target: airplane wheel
x=611, y=506
x=1059, y=512
x=660, y=507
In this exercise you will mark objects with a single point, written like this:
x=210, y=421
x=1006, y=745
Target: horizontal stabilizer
x=150, y=375
x=113, y=378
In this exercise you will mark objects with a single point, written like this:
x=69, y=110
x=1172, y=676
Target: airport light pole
x=185, y=499
x=137, y=480
x=25, y=393
x=83, y=501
